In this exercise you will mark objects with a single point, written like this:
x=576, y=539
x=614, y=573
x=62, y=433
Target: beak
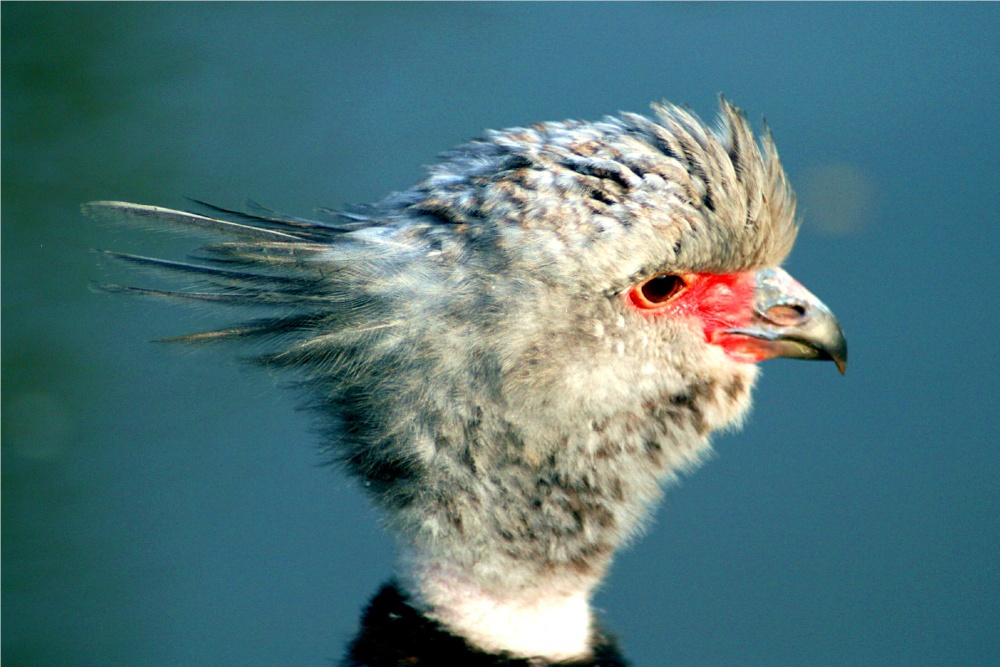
x=789, y=321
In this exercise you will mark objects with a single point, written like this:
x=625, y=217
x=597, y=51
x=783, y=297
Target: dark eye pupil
x=661, y=288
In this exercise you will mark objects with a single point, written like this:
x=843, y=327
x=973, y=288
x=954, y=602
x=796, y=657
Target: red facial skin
x=719, y=302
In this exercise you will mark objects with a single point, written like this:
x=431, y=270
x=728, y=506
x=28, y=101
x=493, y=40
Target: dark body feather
x=394, y=634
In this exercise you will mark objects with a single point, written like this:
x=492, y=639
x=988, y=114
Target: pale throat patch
x=547, y=622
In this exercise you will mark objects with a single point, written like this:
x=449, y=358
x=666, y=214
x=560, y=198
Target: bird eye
x=660, y=289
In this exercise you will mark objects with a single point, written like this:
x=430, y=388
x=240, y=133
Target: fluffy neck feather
x=551, y=620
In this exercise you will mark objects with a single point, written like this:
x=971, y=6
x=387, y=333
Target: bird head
x=618, y=281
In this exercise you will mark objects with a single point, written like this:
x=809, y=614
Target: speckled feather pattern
x=467, y=342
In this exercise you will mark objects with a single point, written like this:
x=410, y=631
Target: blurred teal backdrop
x=164, y=507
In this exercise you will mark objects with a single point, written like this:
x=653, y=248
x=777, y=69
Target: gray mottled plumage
x=468, y=342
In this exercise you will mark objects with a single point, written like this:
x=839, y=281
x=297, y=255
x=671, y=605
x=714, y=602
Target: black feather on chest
x=394, y=634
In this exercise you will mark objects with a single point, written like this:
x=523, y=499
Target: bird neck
x=550, y=619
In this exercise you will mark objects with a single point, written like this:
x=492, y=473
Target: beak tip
x=839, y=353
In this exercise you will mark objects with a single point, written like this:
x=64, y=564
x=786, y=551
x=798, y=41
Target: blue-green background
x=167, y=507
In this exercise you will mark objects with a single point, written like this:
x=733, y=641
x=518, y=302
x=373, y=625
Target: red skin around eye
x=720, y=302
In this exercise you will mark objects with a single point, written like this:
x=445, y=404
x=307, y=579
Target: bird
x=517, y=355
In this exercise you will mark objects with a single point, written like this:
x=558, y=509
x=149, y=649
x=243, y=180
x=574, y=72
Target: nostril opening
x=786, y=315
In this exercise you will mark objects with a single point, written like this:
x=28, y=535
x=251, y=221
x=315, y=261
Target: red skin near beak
x=721, y=302
x=752, y=316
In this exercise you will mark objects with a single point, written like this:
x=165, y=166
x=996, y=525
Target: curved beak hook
x=791, y=322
